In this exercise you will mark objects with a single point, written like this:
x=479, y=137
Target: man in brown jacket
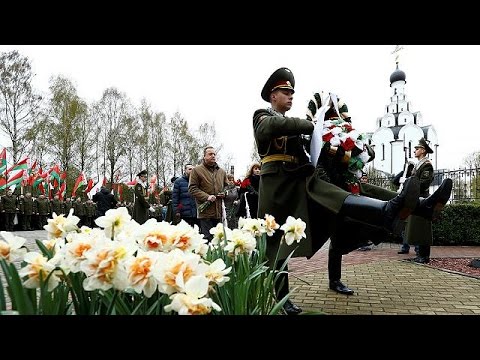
x=206, y=185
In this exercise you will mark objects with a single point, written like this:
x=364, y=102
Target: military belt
x=279, y=157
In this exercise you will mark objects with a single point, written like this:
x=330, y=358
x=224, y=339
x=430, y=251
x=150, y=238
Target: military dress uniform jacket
x=140, y=208
x=418, y=230
x=287, y=187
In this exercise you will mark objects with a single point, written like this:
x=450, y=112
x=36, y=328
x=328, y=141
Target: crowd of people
x=26, y=213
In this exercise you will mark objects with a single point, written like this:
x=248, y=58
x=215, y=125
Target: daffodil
x=11, y=249
x=294, y=230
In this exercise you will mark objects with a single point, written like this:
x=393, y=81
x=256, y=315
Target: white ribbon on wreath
x=316, y=143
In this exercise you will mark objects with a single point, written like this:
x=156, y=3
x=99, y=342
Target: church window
x=383, y=151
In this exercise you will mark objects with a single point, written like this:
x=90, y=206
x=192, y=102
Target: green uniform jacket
x=140, y=209
x=79, y=209
x=28, y=206
x=42, y=206
x=9, y=204
x=67, y=205
x=418, y=230
x=57, y=207
x=283, y=188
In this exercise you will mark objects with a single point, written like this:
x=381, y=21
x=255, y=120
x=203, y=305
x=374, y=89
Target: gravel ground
x=460, y=265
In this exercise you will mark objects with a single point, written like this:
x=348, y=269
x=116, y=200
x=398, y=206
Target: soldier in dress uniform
x=57, y=205
x=42, y=205
x=141, y=206
x=286, y=174
x=418, y=230
x=27, y=208
x=9, y=204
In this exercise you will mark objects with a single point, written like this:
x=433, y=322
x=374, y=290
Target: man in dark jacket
x=104, y=200
x=184, y=205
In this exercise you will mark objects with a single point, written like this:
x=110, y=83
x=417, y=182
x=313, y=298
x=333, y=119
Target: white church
x=399, y=130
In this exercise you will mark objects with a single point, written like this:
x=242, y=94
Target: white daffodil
x=59, y=226
x=255, y=226
x=54, y=244
x=193, y=301
x=114, y=219
x=218, y=235
x=11, y=249
x=186, y=238
x=155, y=236
x=216, y=272
x=240, y=242
x=202, y=249
x=174, y=269
x=270, y=224
x=39, y=268
x=294, y=230
x=105, y=266
x=75, y=251
x=140, y=276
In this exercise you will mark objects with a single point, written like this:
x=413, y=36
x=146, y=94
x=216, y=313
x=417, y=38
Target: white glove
x=402, y=180
x=151, y=208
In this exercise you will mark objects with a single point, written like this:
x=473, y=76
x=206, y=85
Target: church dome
x=397, y=75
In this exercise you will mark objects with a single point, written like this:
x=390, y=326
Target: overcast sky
x=222, y=84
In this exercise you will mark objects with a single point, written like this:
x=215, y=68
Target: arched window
x=383, y=151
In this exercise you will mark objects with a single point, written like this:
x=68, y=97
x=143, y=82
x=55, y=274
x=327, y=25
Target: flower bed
x=155, y=268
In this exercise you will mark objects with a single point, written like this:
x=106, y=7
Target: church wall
x=382, y=139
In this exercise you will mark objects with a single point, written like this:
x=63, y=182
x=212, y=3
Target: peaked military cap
x=281, y=79
x=142, y=173
x=422, y=143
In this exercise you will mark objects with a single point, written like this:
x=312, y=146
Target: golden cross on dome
x=396, y=52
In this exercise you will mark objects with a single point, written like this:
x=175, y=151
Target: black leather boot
x=388, y=215
x=431, y=206
x=423, y=256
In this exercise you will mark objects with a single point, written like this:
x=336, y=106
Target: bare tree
x=206, y=135
x=472, y=160
x=160, y=147
x=85, y=143
x=38, y=137
x=132, y=163
x=18, y=102
x=112, y=111
x=144, y=142
x=254, y=155
x=65, y=112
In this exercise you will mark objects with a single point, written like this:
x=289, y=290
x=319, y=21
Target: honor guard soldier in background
x=9, y=204
x=141, y=206
x=418, y=230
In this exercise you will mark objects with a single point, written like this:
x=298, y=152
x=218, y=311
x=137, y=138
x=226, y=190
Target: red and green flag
x=81, y=181
x=21, y=165
x=3, y=160
x=89, y=186
x=14, y=180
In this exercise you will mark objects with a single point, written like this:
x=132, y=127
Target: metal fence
x=466, y=183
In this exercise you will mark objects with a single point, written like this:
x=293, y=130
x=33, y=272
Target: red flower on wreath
x=348, y=144
x=327, y=137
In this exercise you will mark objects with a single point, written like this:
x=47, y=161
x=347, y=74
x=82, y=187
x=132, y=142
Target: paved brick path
x=384, y=284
